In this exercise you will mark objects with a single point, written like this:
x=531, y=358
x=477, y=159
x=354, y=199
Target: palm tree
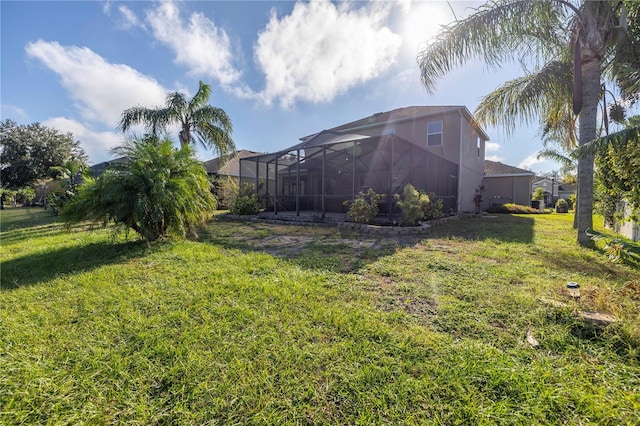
x=198, y=120
x=573, y=44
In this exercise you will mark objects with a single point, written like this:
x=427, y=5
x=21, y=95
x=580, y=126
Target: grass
x=265, y=324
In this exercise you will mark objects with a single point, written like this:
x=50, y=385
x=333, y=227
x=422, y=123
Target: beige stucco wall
x=471, y=165
x=507, y=189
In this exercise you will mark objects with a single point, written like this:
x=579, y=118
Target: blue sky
x=281, y=70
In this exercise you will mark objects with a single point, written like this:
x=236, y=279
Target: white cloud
x=198, y=44
x=491, y=146
x=530, y=161
x=97, y=145
x=129, y=18
x=494, y=158
x=321, y=50
x=106, y=7
x=100, y=90
x=13, y=112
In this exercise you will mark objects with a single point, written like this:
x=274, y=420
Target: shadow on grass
x=28, y=233
x=24, y=217
x=614, y=339
x=502, y=227
x=44, y=266
x=338, y=250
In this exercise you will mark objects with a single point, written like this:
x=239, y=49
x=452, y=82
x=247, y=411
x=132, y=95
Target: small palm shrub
x=365, y=207
x=410, y=204
x=160, y=191
x=246, y=202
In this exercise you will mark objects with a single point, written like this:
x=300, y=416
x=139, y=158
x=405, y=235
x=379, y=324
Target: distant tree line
x=32, y=152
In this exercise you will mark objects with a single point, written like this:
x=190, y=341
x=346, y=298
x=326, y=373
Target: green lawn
x=265, y=324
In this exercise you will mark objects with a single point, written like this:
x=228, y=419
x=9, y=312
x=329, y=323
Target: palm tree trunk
x=588, y=122
x=184, y=138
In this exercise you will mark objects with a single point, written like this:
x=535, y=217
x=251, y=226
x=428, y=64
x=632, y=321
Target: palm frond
x=493, y=34
x=177, y=105
x=617, y=140
x=523, y=99
x=216, y=139
x=201, y=98
x=557, y=156
x=155, y=120
x=213, y=128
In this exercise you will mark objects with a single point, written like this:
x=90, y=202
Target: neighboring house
x=553, y=190
x=98, y=169
x=506, y=184
x=219, y=167
x=566, y=190
x=438, y=149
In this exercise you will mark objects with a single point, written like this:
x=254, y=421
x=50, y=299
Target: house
x=99, y=168
x=438, y=149
x=506, y=184
x=219, y=167
x=553, y=189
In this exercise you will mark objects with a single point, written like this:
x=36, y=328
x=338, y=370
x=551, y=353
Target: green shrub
x=431, y=208
x=513, y=208
x=410, y=205
x=25, y=195
x=9, y=196
x=562, y=203
x=246, y=202
x=538, y=194
x=365, y=207
x=226, y=190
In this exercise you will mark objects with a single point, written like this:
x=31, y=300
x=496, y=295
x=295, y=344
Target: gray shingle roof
x=495, y=168
x=232, y=166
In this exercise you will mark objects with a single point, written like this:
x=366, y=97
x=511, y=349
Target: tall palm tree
x=198, y=120
x=573, y=44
